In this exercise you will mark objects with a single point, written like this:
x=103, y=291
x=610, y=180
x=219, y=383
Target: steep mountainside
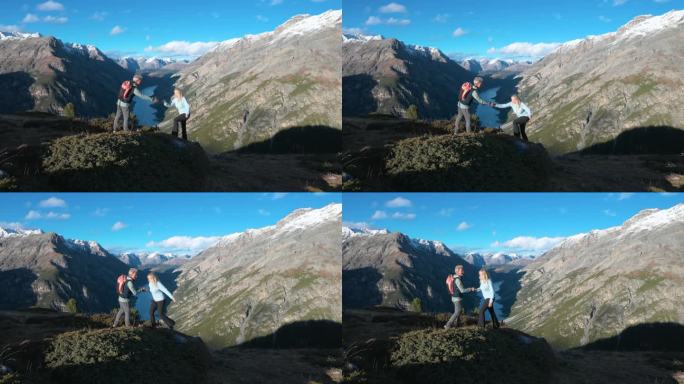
x=590, y=90
x=388, y=76
x=391, y=269
x=595, y=285
x=44, y=74
x=250, y=284
x=247, y=90
x=45, y=270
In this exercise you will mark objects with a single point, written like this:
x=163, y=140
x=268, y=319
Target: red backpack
x=465, y=89
x=125, y=91
x=451, y=284
x=120, y=284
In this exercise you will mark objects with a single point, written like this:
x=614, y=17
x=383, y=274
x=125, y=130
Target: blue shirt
x=158, y=291
x=487, y=289
x=181, y=105
x=520, y=110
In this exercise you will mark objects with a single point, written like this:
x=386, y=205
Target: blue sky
x=490, y=28
x=142, y=27
x=146, y=222
x=525, y=223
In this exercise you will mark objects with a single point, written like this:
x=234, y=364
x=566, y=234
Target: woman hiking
x=158, y=290
x=487, y=290
x=183, y=108
x=522, y=114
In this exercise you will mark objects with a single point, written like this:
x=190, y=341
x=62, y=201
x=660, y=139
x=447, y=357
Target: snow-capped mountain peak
x=348, y=232
x=18, y=232
x=360, y=38
x=17, y=35
x=304, y=24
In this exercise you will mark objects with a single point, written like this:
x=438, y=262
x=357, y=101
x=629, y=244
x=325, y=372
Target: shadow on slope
x=19, y=97
x=299, y=140
x=661, y=140
x=16, y=288
x=300, y=334
x=360, y=288
x=357, y=95
x=643, y=337
x=511, y=282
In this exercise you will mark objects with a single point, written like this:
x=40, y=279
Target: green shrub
x=477, y=162
x=412, y=112
x=125, y=162
x=470, y=355
x=416, y=305
x=71, y=306
x=70, y=111
x=135, y=355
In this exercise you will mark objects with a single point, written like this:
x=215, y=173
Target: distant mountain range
x=253, y=283
x=479, y=260
x=591, y=90
x=484, y=66
x=392, y=269
x=594, y=285
x=151, y=64
x=247, y=90
x=147, y=260
x=55, y=74
x=387, y=76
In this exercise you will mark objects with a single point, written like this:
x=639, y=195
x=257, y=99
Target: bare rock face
x=590, y=91
x=392, y=269
x=45, y=270
x=388, y=76
x=45, y=74
x=251, y=284
x=595, y=285
x=248, y=90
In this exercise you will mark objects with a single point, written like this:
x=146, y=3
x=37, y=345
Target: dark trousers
x=519, y=127
x=180, y=121
x=485, y=307
x=159, y=307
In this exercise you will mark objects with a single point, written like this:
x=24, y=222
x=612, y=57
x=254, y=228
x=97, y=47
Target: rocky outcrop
x=594, y=285
x=251, y=284
x=591, y=90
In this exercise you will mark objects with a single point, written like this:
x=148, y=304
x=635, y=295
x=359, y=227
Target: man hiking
x=128, y=90
x=125, y=288
x=456, y=289
x=468, y=95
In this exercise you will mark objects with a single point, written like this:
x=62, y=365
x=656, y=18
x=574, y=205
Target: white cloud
x=12, y=225
x=604, y=19
x=184, y=48
x=374, y=20
x=55, y=20
x=393, y=8
x=353, y=31
x=186, y=243
x=101, y=212
x=119, y=225
x=379, y=215
x=117, y=30
x=10, y=28
x=624, y=196
x=98, y=16
x=463, y=226
x=458, y=32
x=276, y=2
x=529, y=243
x=617, y=3
x=37, y=215
x=609, y=212
x=278, y=196
x=53, y=202
x=261, y=18
x=50, y=5
x=399, y=202
x=446, y=212
x=526, y=49
x=33, y=215
x=442, y=18
x=30, y=18
x=403, y=216
x=264, y=212
x=357, y=224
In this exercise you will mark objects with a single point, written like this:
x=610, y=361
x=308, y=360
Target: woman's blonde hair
x=179, y=91
x=152, y=277
x=484, y=274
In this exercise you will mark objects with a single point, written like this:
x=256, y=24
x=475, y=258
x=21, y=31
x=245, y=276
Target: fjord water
x=143, y=109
